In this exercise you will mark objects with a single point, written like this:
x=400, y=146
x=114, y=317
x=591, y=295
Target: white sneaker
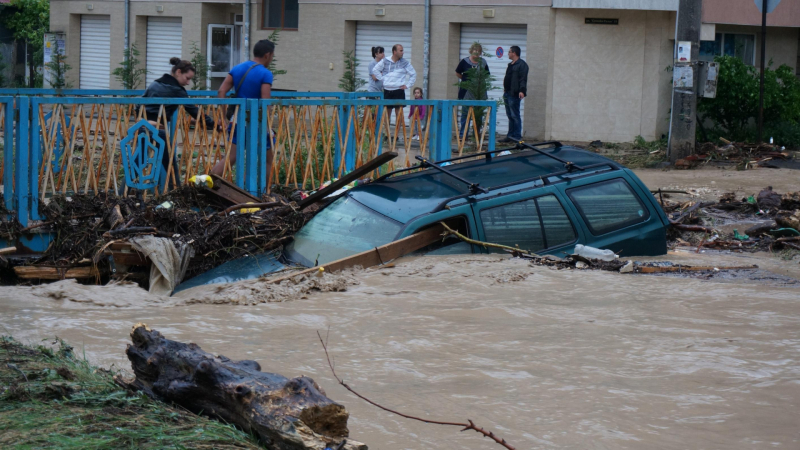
x=415, y=138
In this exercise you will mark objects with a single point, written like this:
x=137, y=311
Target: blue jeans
x=512, y=112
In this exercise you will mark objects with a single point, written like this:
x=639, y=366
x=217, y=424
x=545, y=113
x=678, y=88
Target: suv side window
x=608, y=206
x=558, y=229
x=520, y=224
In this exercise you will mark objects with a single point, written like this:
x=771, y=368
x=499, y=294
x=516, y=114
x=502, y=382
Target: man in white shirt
x=392, y=72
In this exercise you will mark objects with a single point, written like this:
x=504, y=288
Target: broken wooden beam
x=378, y=255
x=8, y=250
x=285, y=414
x=55, y=273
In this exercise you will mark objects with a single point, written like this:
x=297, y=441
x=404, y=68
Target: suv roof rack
x=489, y=155
x=474, y=188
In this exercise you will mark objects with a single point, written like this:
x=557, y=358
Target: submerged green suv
x=545, y=198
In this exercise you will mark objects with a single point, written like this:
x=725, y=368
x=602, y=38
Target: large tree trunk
x=287, y=414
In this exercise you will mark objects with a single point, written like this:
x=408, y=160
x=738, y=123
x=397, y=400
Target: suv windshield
x=344, y=228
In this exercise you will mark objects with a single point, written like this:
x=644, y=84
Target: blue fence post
x=21, y=175
x=265, y=142
x=350, y=151
x=341, y=132
x=378, y=117
x=492, y=127
x=433, y=132
x=8, y=155
x=241, y=142
x=445, y=132
x=35, y=159
x=253, y=149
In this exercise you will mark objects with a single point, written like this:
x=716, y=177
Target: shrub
x=735, y=108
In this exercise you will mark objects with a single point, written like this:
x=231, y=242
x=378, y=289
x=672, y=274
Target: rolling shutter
x=163, y=42
x=384, y=34
x=492, y=37
x=95, y=71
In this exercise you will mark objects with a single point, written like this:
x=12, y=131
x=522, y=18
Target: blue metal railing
x=27, y=127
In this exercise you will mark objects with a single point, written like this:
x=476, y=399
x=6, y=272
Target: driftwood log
x=286, y=414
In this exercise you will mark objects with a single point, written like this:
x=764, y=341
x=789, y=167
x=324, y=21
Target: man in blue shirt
x=250, y=79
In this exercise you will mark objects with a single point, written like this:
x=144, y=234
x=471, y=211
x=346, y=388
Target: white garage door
x=163, y=42
x=383, y=34
x=95, y=72
x=495, y=40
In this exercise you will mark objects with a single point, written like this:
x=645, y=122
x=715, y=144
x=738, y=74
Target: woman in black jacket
x=172, y=86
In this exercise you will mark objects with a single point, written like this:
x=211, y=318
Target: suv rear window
x=520, y=224
x=608, y=206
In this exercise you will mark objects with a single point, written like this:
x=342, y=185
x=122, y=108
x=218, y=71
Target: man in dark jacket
x=514, y=90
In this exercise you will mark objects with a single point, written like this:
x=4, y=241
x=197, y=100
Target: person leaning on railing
x=172, y=86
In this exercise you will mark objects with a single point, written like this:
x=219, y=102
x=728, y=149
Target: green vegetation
x=639, y=154
x=275, y=36
x=130, y=73
x=3, y=67
x=58, y=68
x=202, y=67
x=477, y=84
x=51, y=399
x=734, y=112
x=350, y=82
x=29, y=22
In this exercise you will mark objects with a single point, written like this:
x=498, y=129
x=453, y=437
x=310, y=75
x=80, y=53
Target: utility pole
x=683, y=123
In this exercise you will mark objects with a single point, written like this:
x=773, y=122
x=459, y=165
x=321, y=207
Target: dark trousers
x=512, y=103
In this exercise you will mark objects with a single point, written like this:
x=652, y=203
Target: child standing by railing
x=422, y=112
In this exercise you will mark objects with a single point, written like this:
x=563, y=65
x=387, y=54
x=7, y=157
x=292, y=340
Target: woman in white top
x=375, y=85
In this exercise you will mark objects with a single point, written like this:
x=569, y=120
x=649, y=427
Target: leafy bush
x=130, y=74
x=735, y=108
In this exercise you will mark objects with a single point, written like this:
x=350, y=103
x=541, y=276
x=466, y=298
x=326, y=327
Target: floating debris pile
x=88, y=231
x=767, y=221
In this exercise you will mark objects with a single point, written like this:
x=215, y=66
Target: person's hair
x=475, y=46
x=394, y=47
x=263, y=47
x=417, y=89
x=376, y=50
x=516, y=50
x=182, y=65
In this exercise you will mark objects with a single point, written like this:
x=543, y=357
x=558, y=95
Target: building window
x=280, y=14
x=742, y=46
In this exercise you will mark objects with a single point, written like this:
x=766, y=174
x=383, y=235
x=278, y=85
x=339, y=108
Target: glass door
x=220, y=49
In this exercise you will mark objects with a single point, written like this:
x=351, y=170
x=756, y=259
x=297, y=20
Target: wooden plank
x=8, y=250
x=229, y=193
x=659, y=269
x=379, y=255
x=55, y=273
x=371, y=165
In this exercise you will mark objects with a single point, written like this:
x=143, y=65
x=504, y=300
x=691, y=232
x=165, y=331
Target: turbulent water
x=544, y=358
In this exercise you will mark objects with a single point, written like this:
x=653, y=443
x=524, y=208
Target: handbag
x=232, y=108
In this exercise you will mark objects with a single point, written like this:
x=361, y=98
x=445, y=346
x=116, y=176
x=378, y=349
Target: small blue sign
x=499, y=52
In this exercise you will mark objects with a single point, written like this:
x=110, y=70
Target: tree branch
x=465, y=426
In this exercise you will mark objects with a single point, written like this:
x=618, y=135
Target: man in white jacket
x=392, y=72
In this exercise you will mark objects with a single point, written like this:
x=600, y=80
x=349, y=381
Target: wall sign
x=684, y=51
x=499, y=52
x=595, y=21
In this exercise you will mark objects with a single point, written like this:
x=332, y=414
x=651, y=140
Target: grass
x=49, y=398
x=639, y=154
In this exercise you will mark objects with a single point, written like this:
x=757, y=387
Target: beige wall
x=66, y=16
x=325, y=30
x=609, y=81
x=586, y=82
x=781, y=43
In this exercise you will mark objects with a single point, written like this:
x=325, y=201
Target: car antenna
x=567, y=164
x=474, y=188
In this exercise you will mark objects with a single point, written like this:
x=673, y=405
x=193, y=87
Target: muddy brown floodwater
x=545, y=358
